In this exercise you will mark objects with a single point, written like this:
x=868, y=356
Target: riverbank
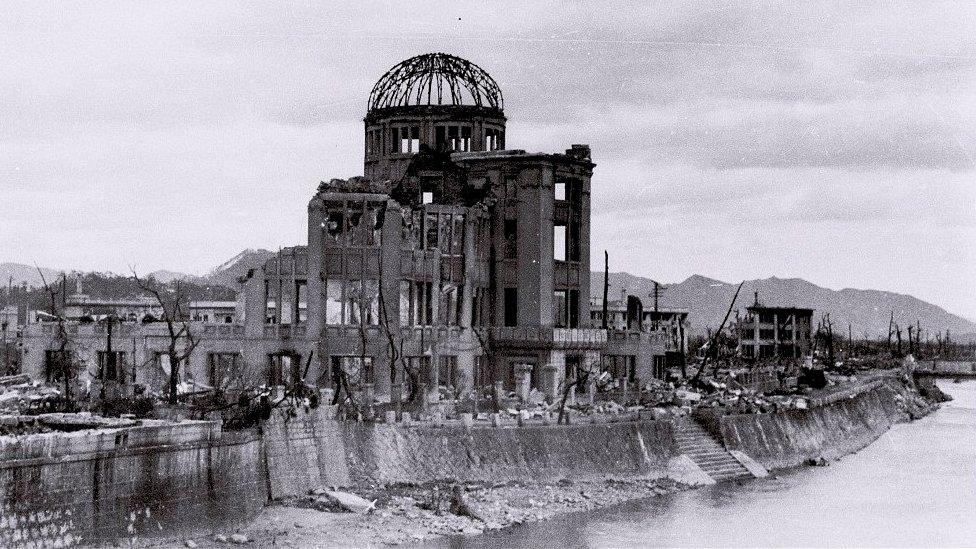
x=411, y=514
x=915, y=486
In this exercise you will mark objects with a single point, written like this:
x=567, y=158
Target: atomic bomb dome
x=435, y=79
x=434, y=101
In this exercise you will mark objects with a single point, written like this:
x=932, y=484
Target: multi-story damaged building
x=775, y=332
x=452, y=264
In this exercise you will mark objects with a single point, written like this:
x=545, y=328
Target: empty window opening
x=511, y=307
x=494, y=139
x=559, y=242
x=559, y=308
x=559, y=190
x=427, y=198
x=409, y=139
x=511, y=238
x=416, y=303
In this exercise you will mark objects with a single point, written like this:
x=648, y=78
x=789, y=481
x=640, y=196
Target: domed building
x=472, y=258
x=455, y=267
x=435, y=101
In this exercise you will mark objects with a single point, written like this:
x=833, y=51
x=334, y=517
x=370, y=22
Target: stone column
x=523, y=381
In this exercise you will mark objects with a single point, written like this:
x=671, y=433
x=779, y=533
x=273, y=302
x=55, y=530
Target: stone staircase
x=695, y=442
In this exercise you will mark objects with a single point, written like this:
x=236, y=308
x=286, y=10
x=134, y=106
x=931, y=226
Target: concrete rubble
x=410, y=513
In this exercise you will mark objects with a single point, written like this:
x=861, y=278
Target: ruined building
x=775, y=332
x=454, y=263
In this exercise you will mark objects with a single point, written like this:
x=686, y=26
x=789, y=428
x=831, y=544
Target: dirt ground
x=410, y=514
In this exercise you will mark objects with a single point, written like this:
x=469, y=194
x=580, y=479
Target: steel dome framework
x=435, y=79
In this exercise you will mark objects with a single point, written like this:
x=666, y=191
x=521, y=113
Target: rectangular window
x=111, y=366
x=409, y=139
x=335, y=225
x=406, y=303
x=767, y=334
x=748, y=351
x=284, y=369
x=559, y=190
x=493, y=140
x=447, y=371
x=360, y=302
x=511, y=238
x=416, y=303
x=271, y=291
x=457, y=234
x=333, y=302
x=559, y=303
x=450, y=305
x=440, y=138
x=574, y=308
x=559, y=242
x=511, y=307
x=766, y=318
x=224, y=370
x=465, y=142
x=660, y=367
x=301, y=298
x=430, y=231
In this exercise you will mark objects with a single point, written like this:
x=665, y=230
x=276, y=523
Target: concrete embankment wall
x=830, y=430
x=313, y=451
x=65, y=489
x=101, y=486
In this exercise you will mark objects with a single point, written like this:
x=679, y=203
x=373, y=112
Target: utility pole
x=606, y=285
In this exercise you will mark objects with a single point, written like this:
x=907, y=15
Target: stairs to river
x=695, y=442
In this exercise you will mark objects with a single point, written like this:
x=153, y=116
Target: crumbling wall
x=311, y=451
x=789, y=438
x=100, y=486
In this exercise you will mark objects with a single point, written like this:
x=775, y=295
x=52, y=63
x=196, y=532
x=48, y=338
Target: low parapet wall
x=831, y=430
x=312, y=451
x=96, y=486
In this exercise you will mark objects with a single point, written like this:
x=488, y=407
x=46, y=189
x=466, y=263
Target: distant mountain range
x=867, y=311
x=706, y=299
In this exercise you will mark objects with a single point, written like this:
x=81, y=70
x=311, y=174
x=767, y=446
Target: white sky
x=829, y=141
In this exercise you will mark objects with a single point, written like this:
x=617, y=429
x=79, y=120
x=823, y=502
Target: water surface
x=915, y=486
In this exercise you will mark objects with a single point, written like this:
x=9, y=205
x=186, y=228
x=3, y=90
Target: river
x=914, y=486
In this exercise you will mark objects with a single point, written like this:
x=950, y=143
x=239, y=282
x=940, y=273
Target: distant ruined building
x=453, y=264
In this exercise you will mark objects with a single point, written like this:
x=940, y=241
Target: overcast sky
x=833, y=142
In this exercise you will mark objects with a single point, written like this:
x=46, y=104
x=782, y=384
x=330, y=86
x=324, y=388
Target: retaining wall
x=831, y=430
x=63, y=489
x=313, y=451
x=102, y=486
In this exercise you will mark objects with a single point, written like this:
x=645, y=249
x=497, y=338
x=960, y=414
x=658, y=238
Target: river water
x=915, y=486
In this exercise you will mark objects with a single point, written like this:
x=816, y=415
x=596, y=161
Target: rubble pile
x=406, y=513
x=20, y=395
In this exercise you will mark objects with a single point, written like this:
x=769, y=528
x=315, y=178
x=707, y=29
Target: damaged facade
x=775, y=332
x=453, y=264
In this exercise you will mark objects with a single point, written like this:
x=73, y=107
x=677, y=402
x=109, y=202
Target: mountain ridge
x=867, y=311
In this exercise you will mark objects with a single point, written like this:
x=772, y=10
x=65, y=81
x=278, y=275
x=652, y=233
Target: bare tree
x=63, y=363
x=580, y=377
x=182, y=341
